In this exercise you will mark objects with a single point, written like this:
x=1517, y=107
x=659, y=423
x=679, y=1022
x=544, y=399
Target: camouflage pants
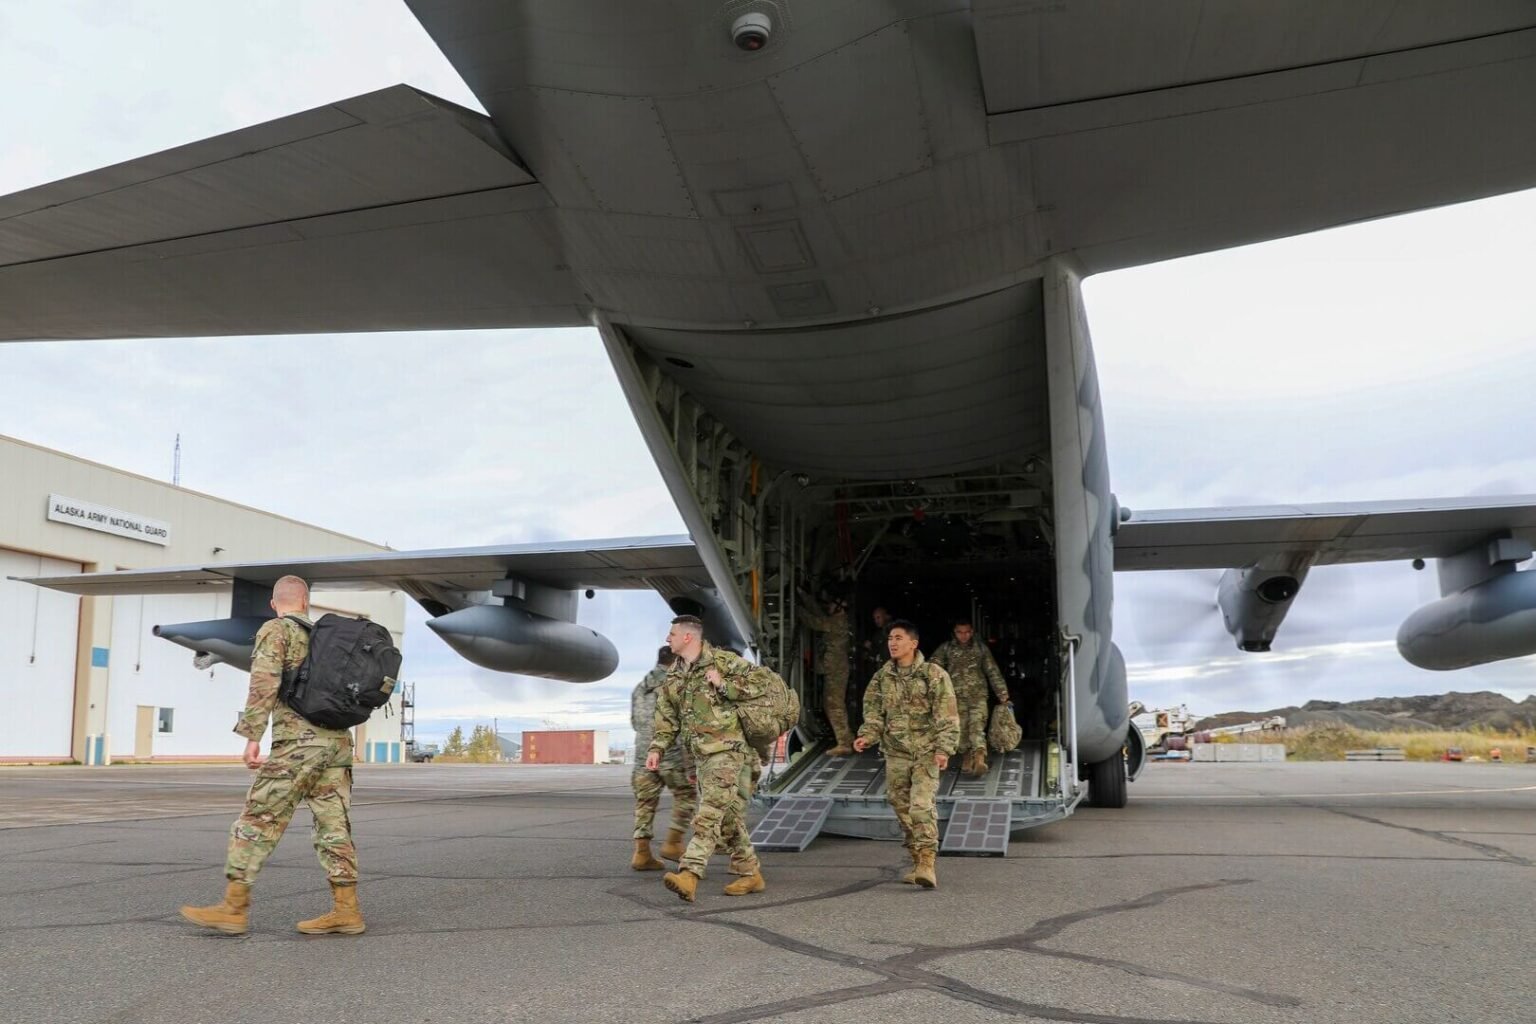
x=735, y=839
x=912, y=784
x=648, y=787
x=319, y=772
x=972, y=701
x=834, y=702
x=725, y=783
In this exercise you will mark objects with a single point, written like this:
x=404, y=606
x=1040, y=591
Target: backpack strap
x=291, y=675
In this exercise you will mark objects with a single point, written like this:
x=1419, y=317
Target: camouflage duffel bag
x=764, y=719
x=1003, y=731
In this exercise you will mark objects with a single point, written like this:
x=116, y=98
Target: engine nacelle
x=1255, y=601
x=1491, y=621
x=227, y=641
x=719, y=628
x=506, y=638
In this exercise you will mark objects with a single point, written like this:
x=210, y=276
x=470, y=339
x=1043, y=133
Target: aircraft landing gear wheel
x=1106, y=782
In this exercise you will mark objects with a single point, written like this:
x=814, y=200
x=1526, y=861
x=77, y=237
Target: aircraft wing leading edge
x=394, y=210
x=1329, y=534
x=637, y=563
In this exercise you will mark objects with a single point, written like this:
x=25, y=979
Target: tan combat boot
x=344, y=917
x=747, y=884
x=910, y=878
x=981, y=761
x=642, y=860
x=673, y=848
x=231, y=916
x=841, y=750
x=923, y=874
x=684, y=883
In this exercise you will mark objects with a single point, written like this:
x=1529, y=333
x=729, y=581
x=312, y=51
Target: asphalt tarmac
x=1237, y=893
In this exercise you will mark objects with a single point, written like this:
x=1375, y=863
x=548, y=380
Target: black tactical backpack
x=350, y=670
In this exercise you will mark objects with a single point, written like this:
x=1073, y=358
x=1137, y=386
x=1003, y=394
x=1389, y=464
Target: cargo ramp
x=846, y=796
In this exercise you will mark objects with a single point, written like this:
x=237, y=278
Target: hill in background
x=1440, y=712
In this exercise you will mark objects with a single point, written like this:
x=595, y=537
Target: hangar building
x=85, y=679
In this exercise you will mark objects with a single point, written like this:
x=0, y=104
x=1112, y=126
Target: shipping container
x=565, y=746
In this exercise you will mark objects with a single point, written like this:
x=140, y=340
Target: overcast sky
x=1387, y=360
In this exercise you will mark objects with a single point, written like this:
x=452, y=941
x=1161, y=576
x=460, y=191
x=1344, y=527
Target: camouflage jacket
x=280, y=645
x=835, y=638
x=911, y=711
x=970, y=665
x=642, y=717
x=687, y=705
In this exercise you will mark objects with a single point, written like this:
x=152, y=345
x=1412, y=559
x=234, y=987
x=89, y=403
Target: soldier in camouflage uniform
x=697, y=702
x=972, y=669
x=307, y=762
x=909, y=710
x=674, y=773
x=873, y=654
x=832, y=663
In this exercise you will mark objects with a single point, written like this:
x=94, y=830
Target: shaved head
x=290, y=594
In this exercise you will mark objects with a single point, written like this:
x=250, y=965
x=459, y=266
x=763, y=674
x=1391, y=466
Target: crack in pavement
x=903, y=971
x=55, y=849
x=359, y=803
x=1185, y=855
x=1488, y=850
x=102, y=881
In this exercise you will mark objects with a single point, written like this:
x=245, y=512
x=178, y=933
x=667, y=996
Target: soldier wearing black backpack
x=315, y=681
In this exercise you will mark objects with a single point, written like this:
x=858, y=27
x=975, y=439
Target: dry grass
x=1329, y=742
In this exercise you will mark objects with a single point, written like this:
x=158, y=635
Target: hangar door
x=39, y=631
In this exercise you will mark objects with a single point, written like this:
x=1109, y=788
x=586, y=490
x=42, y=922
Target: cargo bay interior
x=939, y=551
x=914, y=473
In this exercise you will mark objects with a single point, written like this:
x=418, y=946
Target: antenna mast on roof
x=176, y=464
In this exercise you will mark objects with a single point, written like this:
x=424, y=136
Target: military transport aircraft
x=834, y=251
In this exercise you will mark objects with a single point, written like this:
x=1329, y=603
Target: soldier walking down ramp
x=832, y=663
x=672, y=773
x=697, y=703
x=307, y=762
x=909, y=711
x=972, y=669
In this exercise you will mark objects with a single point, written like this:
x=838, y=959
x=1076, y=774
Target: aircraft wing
x=1158, y=130
x=665, y=564
x=1335, y=533
x=394, y=210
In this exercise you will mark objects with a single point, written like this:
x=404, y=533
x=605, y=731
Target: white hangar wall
x=37, y=659
x=85, y=679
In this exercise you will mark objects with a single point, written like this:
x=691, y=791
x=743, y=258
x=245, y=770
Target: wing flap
x=392, y=210
x=656, y=563
x=1181, y=127
x=1334, y=533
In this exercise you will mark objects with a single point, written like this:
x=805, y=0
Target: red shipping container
x=563, y=746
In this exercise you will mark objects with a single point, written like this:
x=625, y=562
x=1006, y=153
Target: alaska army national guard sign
x=307, y=762
x=697, y=702
x=909, y=711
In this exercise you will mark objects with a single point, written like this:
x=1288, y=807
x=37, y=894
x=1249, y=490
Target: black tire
x=1106, y=782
